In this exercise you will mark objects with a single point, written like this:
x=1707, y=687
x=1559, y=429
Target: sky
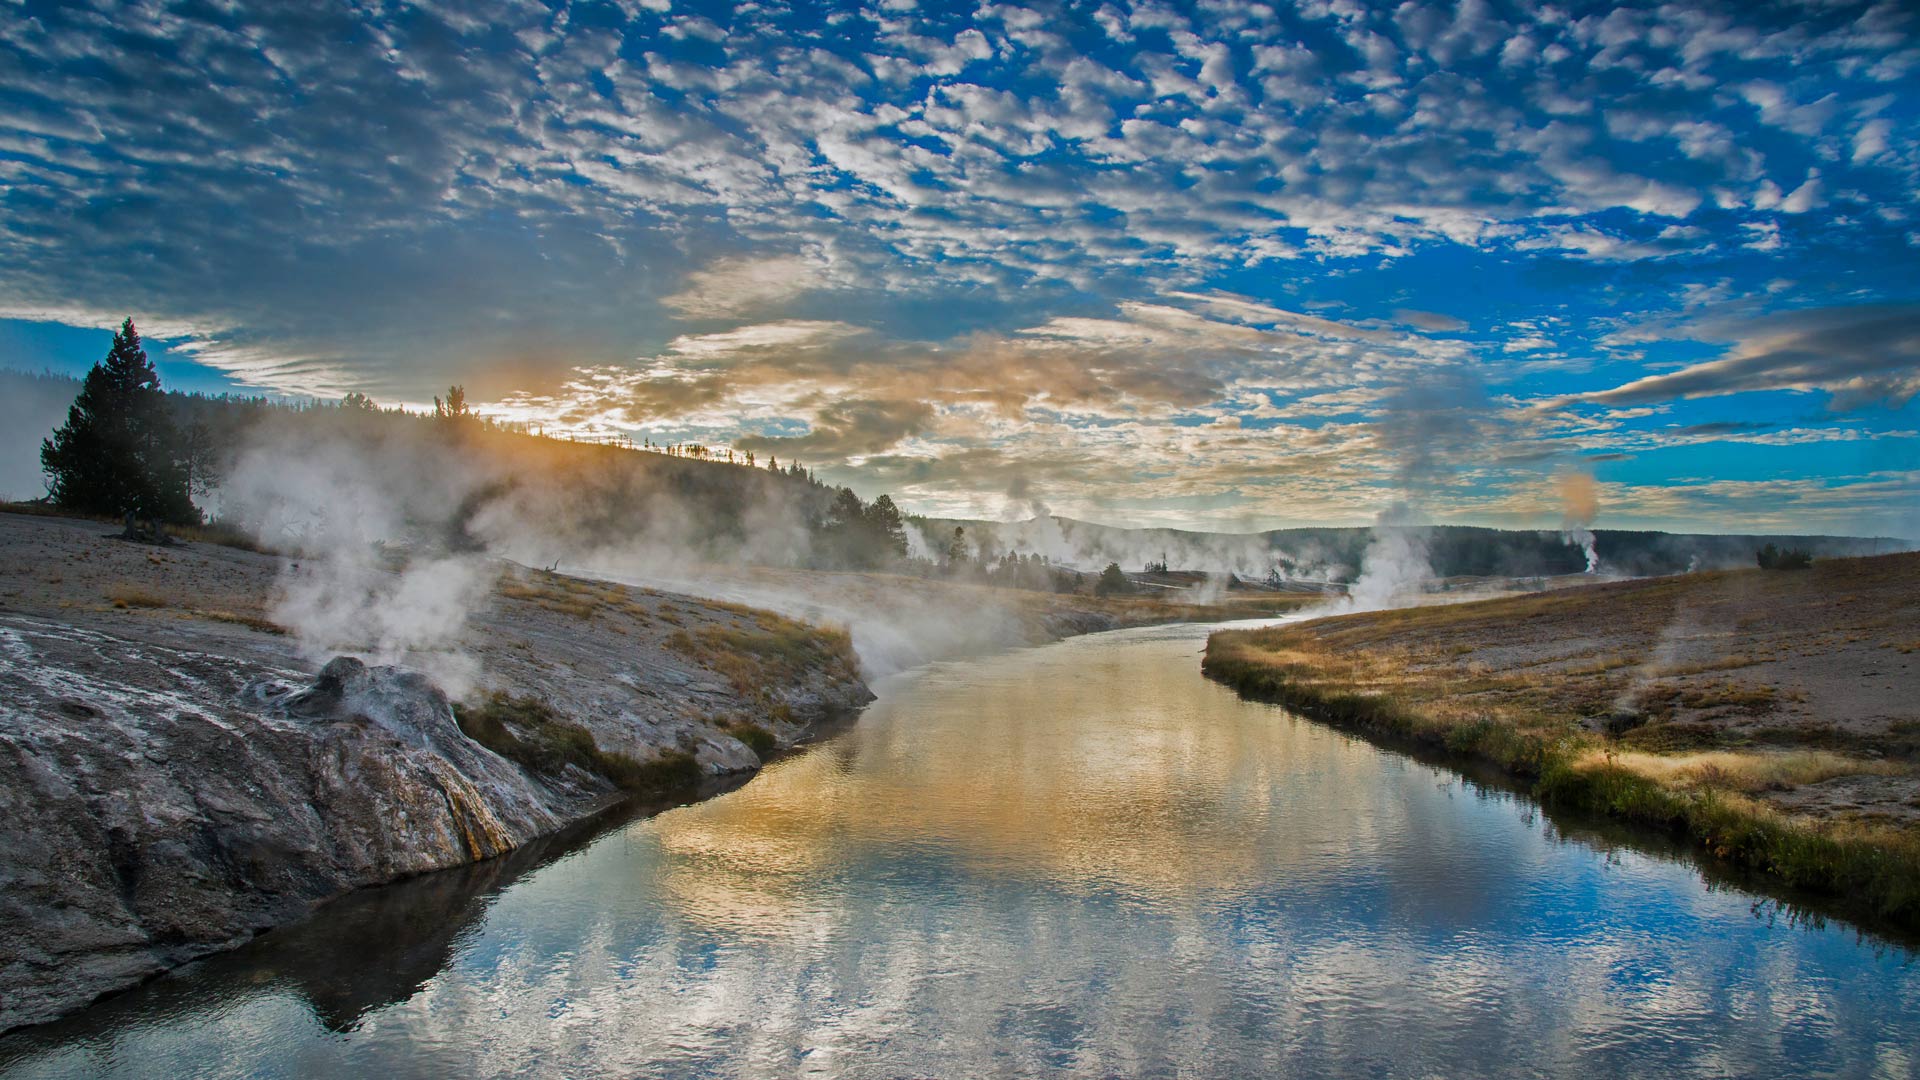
x=1216, y=265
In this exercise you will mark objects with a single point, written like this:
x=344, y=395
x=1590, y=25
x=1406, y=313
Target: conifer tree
x=883, y=519
x=119, y=451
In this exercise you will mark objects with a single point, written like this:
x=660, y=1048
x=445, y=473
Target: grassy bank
x=527, y=731
x=1592, y=708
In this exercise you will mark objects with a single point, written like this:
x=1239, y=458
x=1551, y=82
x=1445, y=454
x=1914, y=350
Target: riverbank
x=180, y=771
x=1771, y=718
x=175, y=777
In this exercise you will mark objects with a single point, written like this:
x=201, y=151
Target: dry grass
x=1725, y=663
x=251, y=622
x=1697, y=765
x=768, y=651
x=136, y=596
x=573, y=597
x=1745, y=771
x=223, y=534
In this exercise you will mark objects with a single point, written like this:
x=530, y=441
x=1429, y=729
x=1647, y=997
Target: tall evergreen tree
x=890, y=532
x=119, y=451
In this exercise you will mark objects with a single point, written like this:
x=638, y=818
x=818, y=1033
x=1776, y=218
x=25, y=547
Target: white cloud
x=741, y=285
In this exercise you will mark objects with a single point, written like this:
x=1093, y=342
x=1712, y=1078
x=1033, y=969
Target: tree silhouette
x=119, y=451
x=1113, y=580
x=1775, y=558
x=455, y=406
x=883, y=519
x=957, y=547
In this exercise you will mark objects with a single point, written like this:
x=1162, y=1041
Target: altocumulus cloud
x=1266, y=259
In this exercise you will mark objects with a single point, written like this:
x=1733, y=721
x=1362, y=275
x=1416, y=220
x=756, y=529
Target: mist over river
x=1080, y=859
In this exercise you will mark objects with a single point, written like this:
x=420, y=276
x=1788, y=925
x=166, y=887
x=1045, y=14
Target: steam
x=398, y=536
x=1396, y=564
x=1580, y=499
x=363, y=581
x=1065, y=543
x=1427, y=426
x=1680, y=630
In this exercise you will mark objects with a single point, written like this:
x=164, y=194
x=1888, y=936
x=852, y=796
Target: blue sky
x=1220, y=265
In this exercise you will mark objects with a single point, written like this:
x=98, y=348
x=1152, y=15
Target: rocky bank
x=176, y=777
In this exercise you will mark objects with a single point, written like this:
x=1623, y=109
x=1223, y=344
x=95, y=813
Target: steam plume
x=1396, y=563
x=1580, y=500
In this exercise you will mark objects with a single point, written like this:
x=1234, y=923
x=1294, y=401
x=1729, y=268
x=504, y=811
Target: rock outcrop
x=161, y=804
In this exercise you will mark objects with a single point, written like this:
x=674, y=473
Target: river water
x=1077, y=859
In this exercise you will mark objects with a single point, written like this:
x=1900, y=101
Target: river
x=1076, y=859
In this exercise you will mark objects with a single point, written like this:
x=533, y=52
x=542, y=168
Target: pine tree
x=455, y=406
x=119, y=452
x=883, y=518
x=957, y=546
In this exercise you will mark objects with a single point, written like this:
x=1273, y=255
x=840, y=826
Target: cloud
x=1855, y=354
x=1099, y=234
x=1428, y=320
x=731, y=345
x=733, y=287
x=849, y=429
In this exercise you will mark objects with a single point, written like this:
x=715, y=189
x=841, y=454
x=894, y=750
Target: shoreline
x=1742, y=787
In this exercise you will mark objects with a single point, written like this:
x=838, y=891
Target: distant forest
x=1334, y=554
x=727, y=507
x=596, y=494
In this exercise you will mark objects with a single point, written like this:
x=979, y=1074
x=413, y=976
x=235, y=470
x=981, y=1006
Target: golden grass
x=1746, y=771
x=1725, y=663
x=768, y=651
x=251, y=622
x=573, y=597
x=135, y=596
x=1546, y=725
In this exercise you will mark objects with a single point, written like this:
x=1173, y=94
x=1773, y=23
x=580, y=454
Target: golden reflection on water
x=1084, y=768
x=1081, y=860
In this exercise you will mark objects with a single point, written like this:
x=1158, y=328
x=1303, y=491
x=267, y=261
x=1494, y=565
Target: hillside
x=549, y=498
x=1773, y=716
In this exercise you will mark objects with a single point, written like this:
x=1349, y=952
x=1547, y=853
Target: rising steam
x=1396, y=564
x=362, y=580
x=1580, y=502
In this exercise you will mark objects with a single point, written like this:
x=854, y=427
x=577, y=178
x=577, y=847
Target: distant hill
x=1333, y=554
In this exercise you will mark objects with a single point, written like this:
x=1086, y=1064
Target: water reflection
x=1077, y=858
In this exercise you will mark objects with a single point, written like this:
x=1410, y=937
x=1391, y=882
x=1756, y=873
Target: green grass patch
x=758, y=739
x=768, y=652
x=527, y=731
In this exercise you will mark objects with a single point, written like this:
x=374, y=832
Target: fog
x=29, y=411
x=398, y=533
